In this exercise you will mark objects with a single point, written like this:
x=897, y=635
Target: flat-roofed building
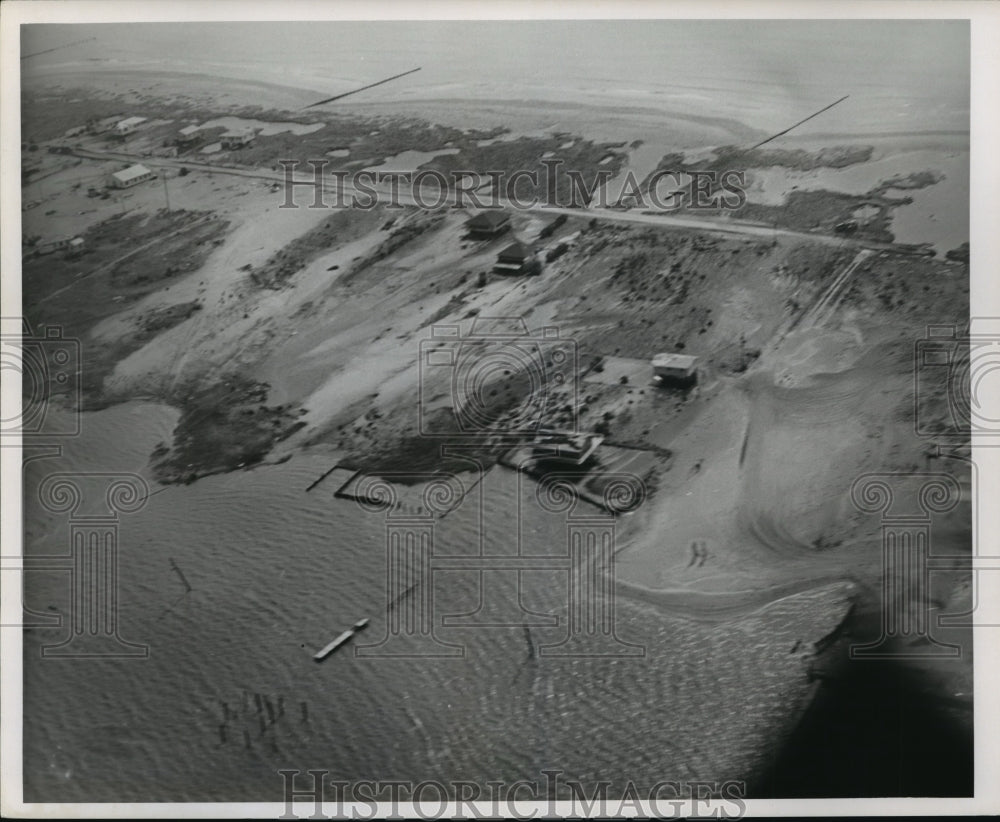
x=128, y=126
x=675, y=370
x=131, y=176
x=187, y=135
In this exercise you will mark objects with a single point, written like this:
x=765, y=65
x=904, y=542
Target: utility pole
x=166, y=191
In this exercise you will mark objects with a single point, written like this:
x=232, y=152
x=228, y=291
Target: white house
x=131, y=176
x=187, y=135
x=127, y=126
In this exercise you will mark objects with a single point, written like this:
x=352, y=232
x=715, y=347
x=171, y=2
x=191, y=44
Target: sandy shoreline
x=600, y=117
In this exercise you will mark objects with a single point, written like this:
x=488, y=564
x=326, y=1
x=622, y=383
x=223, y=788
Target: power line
x=799, y=123
x=363, y=88
x=56, y=48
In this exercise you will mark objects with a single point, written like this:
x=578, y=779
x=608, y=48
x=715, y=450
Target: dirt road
x=724, y=225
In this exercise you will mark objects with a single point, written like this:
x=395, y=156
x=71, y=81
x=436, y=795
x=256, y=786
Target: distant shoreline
x=582, y=115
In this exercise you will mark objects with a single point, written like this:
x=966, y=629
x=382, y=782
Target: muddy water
x=264, y=128
x=230, y=693
x=939, y=213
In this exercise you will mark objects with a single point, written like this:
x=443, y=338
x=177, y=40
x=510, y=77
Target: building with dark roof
x=488, y=224
x=517, y=258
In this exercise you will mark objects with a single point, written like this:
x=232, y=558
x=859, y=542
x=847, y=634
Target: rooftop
x=131, y=173
x=189, y=130
x=132, y=121
x=516, y=250
x=671, y=360
x=488, y=219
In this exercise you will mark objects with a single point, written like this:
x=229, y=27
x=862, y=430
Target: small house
x=187, y=136
x=128, y=126
x=75, y=247
x=131, y=176
x=233, y=140
x=487, y=224
x=49, y=246
x=517, y=258
x=96, y=126
x=675, y=370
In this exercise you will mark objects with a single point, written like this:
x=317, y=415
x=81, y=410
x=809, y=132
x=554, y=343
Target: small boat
x=360, y=625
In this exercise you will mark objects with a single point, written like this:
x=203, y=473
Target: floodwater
x=264, y=128
x=939, y=213
x=230, y=693
x=410, y=160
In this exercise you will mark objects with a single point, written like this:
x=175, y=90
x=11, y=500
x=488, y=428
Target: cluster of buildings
x=118, y=126
x=233, y=140
x=516, y=258
x=71, y=246
x=670, y=370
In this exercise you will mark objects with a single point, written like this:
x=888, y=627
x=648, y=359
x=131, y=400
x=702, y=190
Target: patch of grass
x=96, y=287
x=339, y=228
x=222, y=427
